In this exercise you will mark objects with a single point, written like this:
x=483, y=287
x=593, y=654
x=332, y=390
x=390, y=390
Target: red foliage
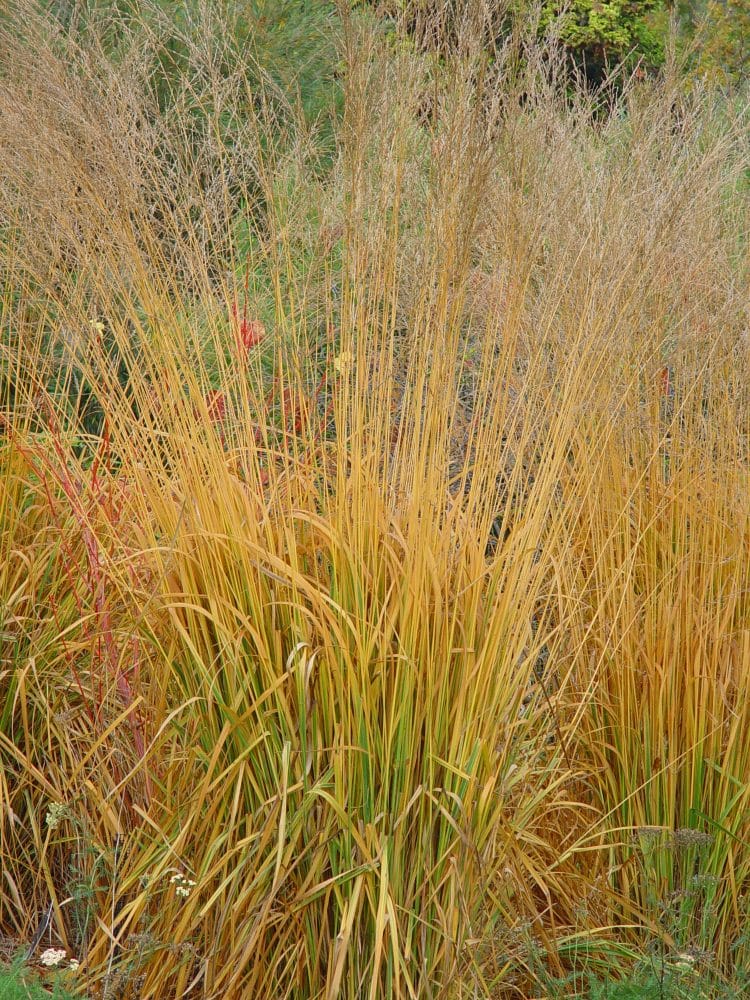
x=90, y=584
x=216, y=403
x=251, y=332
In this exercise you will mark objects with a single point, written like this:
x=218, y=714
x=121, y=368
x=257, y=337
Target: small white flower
x=182, y=884
x=52, y=956
x=73, y=964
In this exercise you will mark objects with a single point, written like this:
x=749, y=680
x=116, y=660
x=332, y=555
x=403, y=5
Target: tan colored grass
x=266, y=649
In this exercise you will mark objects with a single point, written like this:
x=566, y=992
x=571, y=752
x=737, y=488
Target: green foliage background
x=289, y=44
x=599, y=35
x=720, y=30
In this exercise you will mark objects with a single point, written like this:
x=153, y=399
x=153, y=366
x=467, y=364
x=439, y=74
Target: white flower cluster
x=56, y=813
x=52, y=956
x=685, y=961
x=183, y=885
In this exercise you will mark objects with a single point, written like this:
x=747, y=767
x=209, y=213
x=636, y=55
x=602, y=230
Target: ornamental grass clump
x=356, y=556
